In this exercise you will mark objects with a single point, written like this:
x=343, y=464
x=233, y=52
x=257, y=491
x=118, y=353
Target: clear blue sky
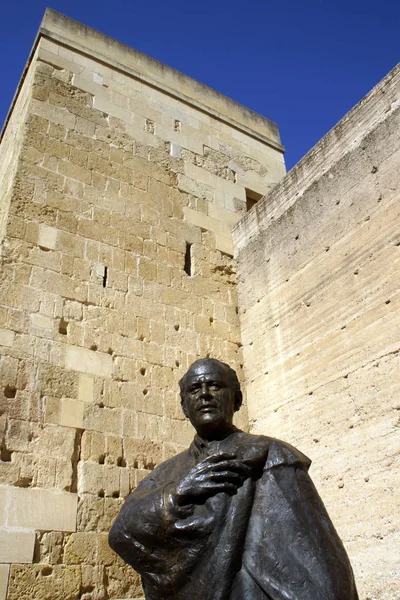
x=302, y=64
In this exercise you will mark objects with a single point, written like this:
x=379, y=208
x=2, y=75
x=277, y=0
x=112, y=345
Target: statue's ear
x=184, y=409
x=238, y=400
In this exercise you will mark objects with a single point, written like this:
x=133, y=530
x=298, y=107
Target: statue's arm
x=140, y=526
x=160, y=515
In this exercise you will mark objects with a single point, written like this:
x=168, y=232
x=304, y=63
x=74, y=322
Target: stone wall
x=318, y=268
x=121, y=179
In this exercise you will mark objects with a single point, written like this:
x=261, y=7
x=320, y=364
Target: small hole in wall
x=102, y=458
x=46, y=571
x=176, y=327
x=5, y=454
x=121, y=462
x=63, y=327
x=23, y=482
x=142, y=371
x=145, y=392
x=100, y=493
x=188, y=260
x=10, y=391
x=176, y=125
x=93, y=347
x=177, y=363
x=115, y=494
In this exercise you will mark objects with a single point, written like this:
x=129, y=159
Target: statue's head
x=210, y=395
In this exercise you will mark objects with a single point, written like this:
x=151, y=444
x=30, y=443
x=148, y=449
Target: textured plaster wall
x=98, y=318
x=318, y=269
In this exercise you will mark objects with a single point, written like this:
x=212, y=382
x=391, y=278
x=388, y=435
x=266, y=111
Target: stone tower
x=120, y=181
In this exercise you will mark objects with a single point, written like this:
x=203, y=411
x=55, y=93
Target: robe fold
x=272, y=540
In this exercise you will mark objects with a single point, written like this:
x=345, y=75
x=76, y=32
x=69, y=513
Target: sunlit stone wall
x=318, y=269
x=120, y=180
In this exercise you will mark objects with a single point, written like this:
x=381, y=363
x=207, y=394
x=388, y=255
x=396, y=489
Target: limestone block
x=200, y=220
x=4, y=575
x=101, y=480
x=96, y=513
x=47, y=237
x=93, y=446
x=222, y=214
x=67, y=412
x=47, y=582
x=16, y=546
x=53, y=113
x=88, y=361
x=37, y=508
x=143, y=454
x=224, y=243
x=3, y=505
x=123, y=582
x=86, y=389
x=92, y=548
x=6, y=337
x=191, y=186
x=103, y=419
x=41, y=321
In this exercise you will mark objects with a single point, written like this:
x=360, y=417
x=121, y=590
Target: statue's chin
x=212, y=427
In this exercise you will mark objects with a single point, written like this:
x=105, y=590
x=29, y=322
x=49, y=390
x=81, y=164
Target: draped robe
x=272, y=540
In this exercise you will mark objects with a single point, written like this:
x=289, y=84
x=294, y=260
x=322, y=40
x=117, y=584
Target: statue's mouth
x=206, y=408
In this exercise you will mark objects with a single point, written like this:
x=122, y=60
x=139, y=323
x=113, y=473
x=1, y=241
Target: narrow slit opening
x=188, y=260
x=105, y=277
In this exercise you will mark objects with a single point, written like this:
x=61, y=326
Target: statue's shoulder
x=282, y=453
x=275, y=452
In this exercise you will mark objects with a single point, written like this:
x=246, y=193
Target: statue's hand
x=214, y=474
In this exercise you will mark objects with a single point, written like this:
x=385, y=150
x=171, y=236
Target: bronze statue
x=234, y=517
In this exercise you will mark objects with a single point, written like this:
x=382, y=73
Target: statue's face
x=209, y=400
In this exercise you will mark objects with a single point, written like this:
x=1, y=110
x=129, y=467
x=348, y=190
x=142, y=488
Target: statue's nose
x=204, y=391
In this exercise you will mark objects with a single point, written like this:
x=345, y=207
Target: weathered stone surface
x=56, y=582
x=100, y=318
x=318, y=269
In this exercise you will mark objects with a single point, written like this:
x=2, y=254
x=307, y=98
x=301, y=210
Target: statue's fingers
x=216, y=487
x=217, y=458
x=240, y=467
x=230, y=476
x=230, y=465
